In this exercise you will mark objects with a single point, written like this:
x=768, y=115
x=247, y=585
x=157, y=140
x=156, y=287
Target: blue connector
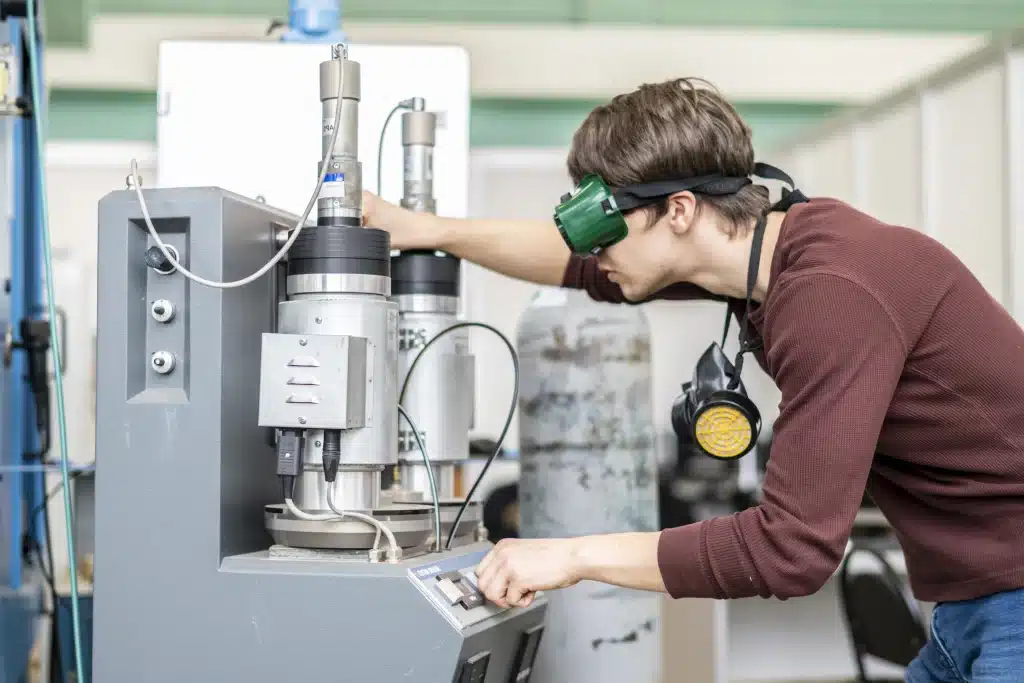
x=314, y=21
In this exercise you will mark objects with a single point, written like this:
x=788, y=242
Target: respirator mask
x=713, y=412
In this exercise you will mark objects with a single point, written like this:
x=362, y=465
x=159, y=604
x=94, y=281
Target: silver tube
x=341, y=195
x=354, y=489
x=439, y=395
x=414, y=478
x=418, y=138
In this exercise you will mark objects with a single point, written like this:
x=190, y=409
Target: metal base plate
x=412, y=524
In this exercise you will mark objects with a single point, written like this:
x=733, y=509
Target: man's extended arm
x=530, y=250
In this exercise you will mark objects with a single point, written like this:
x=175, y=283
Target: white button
x=449, y=590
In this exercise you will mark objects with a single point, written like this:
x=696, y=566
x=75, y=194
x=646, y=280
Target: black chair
x=883, y=619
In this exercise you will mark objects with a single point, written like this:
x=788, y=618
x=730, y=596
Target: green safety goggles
x=591, y=217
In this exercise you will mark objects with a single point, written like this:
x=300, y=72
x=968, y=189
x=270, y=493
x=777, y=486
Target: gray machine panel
x=185, y=589
x=314, y=381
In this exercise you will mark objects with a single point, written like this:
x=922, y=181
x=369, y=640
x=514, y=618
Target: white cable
x=341, y=513
x=287, y=245
x=381, y=526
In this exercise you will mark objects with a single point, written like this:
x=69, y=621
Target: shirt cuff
x=683, y=562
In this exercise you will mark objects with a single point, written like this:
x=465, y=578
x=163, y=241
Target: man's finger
x=485, y=563
x=514, y=594
x=486, y=573
x=496, y=588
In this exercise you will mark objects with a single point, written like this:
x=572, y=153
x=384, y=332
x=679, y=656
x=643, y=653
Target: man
x=898, y=374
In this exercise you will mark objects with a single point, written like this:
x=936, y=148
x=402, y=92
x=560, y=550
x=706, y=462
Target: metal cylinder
x=439, y=392
x=374, y=317
x=589, y=467
x=418, y=135
x=356, y=489
x=413, y=478
x=340, y=199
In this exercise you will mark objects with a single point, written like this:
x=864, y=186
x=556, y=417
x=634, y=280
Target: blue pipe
x=46, y=251
x=35, y=484
x=16, y=391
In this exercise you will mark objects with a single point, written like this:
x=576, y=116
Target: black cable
x=430, y=476
x=53, y=492
x=508, y=420
x=48, y=569
x=55, y=663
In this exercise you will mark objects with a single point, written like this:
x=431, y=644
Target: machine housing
x=188, y=586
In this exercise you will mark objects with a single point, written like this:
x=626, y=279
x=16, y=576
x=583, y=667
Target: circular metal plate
x=411, y=523
x=412, y=526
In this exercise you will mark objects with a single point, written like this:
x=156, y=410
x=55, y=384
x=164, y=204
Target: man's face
x=641, y=262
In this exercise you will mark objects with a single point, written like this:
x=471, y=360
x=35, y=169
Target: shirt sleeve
x=582, y=273
x=836, y=356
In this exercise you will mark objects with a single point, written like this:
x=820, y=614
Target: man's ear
x=682, y=212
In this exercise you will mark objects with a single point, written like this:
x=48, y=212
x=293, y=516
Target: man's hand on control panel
x=515, y=569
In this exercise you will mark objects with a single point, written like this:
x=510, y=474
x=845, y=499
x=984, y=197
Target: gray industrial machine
x=242, y=529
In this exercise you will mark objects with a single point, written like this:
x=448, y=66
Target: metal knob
x=162, y=362
x=156, y=260
x=162, y=310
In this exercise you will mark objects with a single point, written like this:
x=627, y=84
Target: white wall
x=944, y=156
x=521, y=60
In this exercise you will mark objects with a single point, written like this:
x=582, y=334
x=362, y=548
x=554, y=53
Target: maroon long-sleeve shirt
x=898, y=373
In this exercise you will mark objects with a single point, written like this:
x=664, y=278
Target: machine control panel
x=459, y=590
x=450, y=583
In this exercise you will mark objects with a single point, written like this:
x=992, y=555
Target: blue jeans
x=974, y=641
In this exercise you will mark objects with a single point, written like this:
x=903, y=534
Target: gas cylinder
x=588, y=466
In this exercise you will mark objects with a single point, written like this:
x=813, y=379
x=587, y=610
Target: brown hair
x=670, y=131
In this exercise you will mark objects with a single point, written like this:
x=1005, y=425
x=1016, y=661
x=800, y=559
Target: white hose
x=342, y=513
x=294, y=509
x=287, y=245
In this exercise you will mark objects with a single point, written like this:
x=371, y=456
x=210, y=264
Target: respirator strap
x=790, y=196
x=769, y=172
x=746, y=344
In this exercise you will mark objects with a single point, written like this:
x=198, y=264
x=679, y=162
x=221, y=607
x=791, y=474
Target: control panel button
x=449, y=590
x=472, y=600
x=459, y=590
